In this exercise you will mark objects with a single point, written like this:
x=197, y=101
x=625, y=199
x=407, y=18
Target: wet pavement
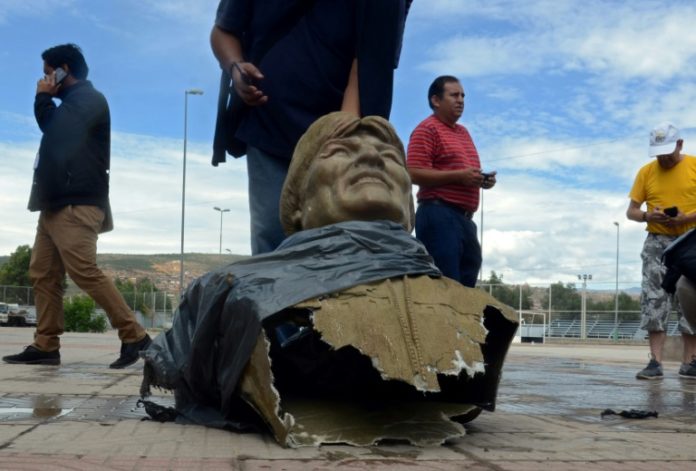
x=81, y=415
x=581, y=390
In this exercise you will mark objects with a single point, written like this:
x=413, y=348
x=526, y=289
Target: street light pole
x=221, y=212
x=192, y=91
x=583, y=305
x=616, y=294
x=481, y=241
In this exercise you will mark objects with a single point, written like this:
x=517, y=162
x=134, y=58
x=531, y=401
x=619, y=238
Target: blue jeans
x=266, y=175
x=450, y=238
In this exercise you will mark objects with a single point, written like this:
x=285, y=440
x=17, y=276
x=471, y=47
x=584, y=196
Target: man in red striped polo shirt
x=444, y=163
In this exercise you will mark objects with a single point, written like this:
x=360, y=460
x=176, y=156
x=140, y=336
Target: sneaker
x=688, y=370
x=130, y=352
x=33, y=356
x=652, y=371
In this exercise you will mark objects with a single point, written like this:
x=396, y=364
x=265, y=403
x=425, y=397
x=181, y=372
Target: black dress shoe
x=130, y=352
x=33, y=356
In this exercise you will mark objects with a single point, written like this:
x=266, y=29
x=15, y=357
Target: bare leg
x=686, y=292
x=657, y=342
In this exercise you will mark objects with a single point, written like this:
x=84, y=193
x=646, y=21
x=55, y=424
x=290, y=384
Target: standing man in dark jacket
x=71, y=191
x=291, y=62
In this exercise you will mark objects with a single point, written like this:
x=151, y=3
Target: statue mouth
x=369, y=177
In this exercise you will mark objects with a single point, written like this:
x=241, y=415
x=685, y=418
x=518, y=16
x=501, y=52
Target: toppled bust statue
x=347, y=333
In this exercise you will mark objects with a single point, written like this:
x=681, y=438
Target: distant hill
x=163, y=269
x=161, y=262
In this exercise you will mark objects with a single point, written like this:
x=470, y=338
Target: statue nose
x=370, y=156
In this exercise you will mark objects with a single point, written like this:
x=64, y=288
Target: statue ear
x=296, y=220
x=411, y=215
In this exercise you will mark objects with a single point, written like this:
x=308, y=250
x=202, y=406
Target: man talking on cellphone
x=444, y=163
x=71, y=192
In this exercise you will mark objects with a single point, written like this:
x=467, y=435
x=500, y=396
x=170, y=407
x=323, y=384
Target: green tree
x=15, y=272
x=142, y=295
x=80, y=315
x=564, y=298
x=508, y=294
x=626, y=303
x=493, y=279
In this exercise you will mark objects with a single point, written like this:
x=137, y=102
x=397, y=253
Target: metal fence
x=23, y=295
x=153, y=309
x=546, y=321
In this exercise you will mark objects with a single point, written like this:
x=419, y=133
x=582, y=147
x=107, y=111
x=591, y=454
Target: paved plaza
x=82, y=415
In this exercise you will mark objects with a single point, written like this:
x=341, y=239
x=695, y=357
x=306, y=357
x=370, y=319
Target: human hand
x=677, y=220
x=47, y=84
x=489, y=180
x=245, y=78
x=471, y=176
x=657, y=216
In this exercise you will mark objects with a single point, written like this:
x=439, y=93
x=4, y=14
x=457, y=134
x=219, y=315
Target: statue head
x=345, y=168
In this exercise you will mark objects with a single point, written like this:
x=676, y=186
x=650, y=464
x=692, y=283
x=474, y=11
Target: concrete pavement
x=81, y=415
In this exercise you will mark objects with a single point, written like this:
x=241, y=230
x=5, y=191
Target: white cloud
x=535, y=227
x=622, y=39
x=146, y=183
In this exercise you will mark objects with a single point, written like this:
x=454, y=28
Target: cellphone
x=60, y=74
x=671, y=212
x=246, y=78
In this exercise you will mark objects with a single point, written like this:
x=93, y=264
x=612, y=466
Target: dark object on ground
x=157, y=412
x=631, y=414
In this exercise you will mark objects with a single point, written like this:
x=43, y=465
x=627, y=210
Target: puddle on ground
x=44, y=407
x=553, y=386
x=50, y=407
x=18, y=412
x=82, y=371
x=47, y=407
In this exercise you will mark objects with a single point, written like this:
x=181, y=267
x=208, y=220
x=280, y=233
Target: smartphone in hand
x=60, y=75
x=246, y=78
x=671, y=212
x=487, y=176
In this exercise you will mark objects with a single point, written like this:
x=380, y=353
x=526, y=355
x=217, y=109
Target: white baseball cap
x=663, y=139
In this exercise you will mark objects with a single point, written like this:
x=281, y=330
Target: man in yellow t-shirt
x=668, y=187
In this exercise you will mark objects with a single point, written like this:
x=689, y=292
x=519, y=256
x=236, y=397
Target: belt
x=439, y=202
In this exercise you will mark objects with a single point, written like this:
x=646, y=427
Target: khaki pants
x=66, y=240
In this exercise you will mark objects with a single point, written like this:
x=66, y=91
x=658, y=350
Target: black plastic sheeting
x=680, y=259
x=220, y=316
x=631, y=413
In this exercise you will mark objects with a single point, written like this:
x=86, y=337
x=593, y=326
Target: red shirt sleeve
x=422, y=147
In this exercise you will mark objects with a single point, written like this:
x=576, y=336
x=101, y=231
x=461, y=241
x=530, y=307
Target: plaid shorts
x=655, y=303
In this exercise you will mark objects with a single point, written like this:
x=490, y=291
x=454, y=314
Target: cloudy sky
x=561, y=96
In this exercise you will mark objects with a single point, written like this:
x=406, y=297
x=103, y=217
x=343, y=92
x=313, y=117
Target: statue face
x=358, y=177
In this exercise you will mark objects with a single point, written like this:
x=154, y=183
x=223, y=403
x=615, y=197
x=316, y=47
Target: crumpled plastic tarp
x=221, y=314
x=680, y=259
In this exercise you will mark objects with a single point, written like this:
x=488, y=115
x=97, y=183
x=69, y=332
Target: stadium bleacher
x=603, y=329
